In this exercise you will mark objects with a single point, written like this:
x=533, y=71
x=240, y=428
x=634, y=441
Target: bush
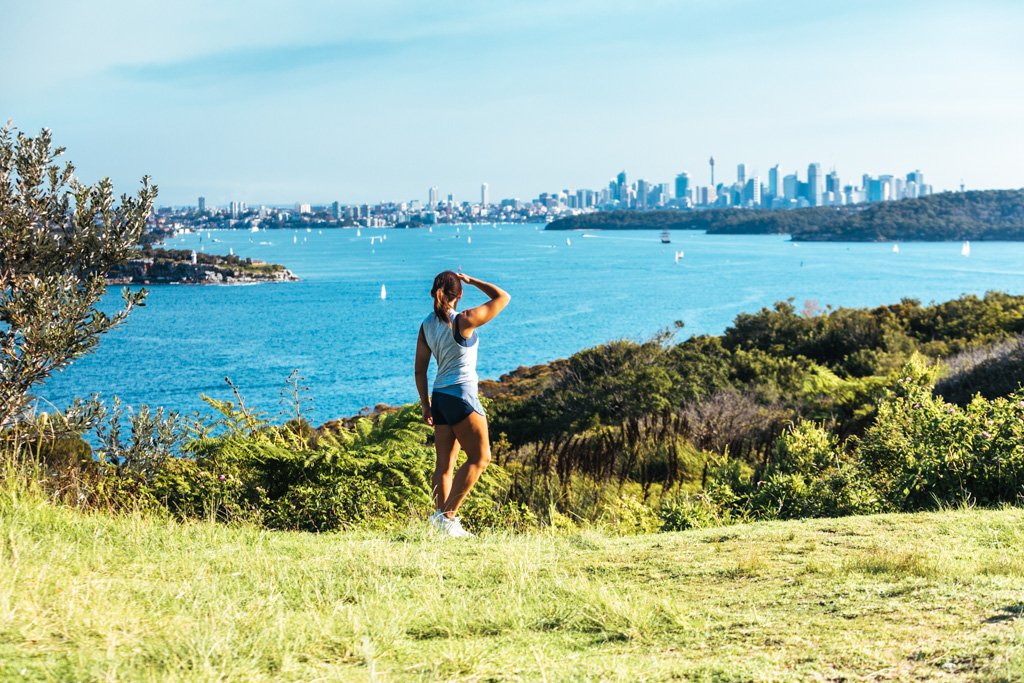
x=922, y=451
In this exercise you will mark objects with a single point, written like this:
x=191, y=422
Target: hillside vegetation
x=786, y=415
x=975, y=215
x=91, y=597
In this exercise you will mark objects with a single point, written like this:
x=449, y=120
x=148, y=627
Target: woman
x=454, y=409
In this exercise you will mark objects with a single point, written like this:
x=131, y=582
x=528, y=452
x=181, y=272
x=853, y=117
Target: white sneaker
x=455, y=529
x=450, y=526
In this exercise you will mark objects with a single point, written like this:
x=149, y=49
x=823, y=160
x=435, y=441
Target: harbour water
x=354, y=346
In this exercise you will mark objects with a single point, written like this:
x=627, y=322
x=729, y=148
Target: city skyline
x=773, y=186
x=318, y=100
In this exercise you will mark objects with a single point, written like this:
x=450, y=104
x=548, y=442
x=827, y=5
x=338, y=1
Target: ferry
x=666, y=238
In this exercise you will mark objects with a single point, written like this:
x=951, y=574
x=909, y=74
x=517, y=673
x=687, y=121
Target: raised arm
x=420, y=371
x=486, y=312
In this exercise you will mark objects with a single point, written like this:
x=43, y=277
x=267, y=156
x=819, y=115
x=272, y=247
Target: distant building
x=741, y=174
x=202, y=204
x=834, y=188
x=790, y=187
x=815, y=184
x=683, y=186
x=484, y=201
x=432, y=197
x=775, y=182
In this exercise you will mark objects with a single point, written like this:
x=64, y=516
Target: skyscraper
x=683, y=185
x=432, y=197
x=790, y=186
x=483, y=196
x=775, y=182
x=741, y=174
x=202, y=204
x=815, y=184
x=642, y=190
x=711, y=163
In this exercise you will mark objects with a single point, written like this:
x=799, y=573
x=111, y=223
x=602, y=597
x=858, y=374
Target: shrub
x=922, y=451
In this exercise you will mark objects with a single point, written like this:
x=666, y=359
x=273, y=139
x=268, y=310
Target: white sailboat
x=469, y=240
x=295, y=239
x=568, y=242
x=965, y=250
x=679, y=255
x=383, y=292
x=359, y=233
x=895, y=248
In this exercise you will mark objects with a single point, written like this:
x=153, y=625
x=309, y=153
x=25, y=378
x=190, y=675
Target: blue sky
x=272, y=102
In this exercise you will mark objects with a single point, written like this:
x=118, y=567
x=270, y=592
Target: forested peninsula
x=975, y=215
x=182, y=266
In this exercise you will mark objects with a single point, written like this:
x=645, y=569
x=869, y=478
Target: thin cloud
x=260, y=62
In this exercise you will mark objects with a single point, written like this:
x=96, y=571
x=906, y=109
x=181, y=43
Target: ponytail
x=441, y=306
x=446, y=290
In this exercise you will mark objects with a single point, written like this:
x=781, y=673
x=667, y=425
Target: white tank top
x=455, y=356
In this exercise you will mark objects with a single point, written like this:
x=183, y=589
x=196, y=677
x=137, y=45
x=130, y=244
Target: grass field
x=935, y=596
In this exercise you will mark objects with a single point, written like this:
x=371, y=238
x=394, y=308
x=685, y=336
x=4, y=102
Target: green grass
x=936, y=596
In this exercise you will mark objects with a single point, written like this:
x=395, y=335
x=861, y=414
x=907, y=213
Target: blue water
x=355, y=350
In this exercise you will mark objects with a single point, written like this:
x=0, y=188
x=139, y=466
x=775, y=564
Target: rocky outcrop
x=145, y=271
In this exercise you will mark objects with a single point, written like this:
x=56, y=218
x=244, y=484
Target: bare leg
x=447, y=447
x=472, y=434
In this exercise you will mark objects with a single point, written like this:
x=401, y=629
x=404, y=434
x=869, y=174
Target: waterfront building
x=202, y=204
x=484, y=200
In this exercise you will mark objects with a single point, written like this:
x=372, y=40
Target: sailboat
x=295, y=239
x=383, y=292
x=679, y=255
x=965, y=250
x=359, y=233
x=568, y=242
x=469, y=240
x=895, y=248
x=666, y=238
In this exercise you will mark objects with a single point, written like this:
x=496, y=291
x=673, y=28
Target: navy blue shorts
x=446, y=409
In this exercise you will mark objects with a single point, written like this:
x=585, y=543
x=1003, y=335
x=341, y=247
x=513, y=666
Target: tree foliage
x=58, y=239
